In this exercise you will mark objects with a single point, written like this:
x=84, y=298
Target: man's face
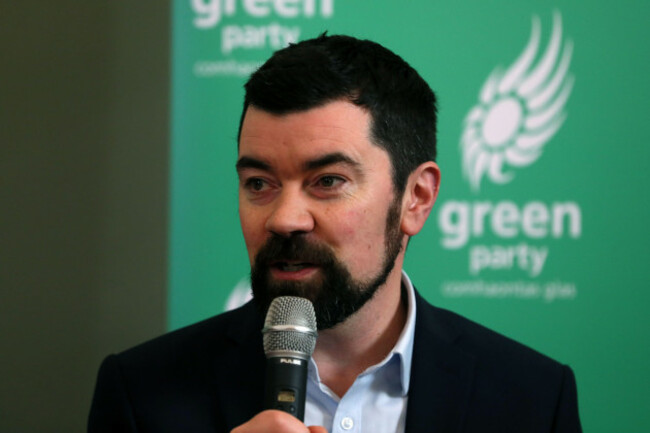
x=317, y=208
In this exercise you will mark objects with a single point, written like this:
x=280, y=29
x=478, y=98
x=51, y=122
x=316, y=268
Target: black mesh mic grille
x=290, y=326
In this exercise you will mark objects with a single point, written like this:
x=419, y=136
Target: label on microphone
x=286, y=385
x=286, y=396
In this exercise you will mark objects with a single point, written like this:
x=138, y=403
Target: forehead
x=337, y=126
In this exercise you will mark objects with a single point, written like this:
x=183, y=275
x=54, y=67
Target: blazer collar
x=241, y=381
x=440, y=384
x=441, y=375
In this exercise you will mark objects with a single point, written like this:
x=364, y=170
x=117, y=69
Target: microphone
x=289, y=335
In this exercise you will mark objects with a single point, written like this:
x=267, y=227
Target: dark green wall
x=84, y=97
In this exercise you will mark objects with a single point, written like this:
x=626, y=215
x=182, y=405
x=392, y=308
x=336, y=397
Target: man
x=336, y=169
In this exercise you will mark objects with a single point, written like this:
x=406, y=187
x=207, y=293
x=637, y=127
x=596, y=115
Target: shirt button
x=347, y=423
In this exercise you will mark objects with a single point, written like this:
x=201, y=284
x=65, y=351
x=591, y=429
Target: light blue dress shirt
x=376, y=401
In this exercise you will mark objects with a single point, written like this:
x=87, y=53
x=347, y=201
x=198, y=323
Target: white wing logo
x=519, y=110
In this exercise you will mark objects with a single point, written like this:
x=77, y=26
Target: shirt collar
x=404, y=346
x=402, y=352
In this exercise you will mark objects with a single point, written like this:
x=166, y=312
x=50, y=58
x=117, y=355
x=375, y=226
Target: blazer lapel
x=441, y=375
x=241, y=379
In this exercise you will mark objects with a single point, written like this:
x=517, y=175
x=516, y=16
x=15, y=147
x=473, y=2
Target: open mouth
x=292, y=266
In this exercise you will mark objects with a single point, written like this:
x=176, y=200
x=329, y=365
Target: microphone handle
x=286, y=385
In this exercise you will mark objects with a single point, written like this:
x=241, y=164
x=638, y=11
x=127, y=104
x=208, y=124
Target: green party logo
x=520, y=109
x=253, y=30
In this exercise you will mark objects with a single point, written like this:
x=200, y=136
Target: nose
x=290, y=215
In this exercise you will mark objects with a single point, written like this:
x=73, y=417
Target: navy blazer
x=209, y=377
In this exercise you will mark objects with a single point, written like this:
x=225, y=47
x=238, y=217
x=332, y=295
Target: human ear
x=419, y=196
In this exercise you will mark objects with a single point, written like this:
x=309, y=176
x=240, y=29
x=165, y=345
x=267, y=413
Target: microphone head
x=290, y=328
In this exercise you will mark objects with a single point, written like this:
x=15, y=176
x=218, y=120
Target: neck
x=364, y=339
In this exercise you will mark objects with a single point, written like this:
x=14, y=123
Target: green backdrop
x=539, y=231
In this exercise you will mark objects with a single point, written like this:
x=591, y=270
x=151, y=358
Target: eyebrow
x=248, y=162
x=331, y=158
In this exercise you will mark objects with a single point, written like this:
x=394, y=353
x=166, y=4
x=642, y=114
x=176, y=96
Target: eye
x=329, y=181
x=255, y=184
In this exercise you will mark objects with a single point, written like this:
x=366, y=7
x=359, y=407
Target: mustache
x=294, y=248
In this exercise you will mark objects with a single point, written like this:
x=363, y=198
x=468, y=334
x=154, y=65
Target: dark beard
x=337, y=295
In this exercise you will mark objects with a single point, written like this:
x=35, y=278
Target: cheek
x=348, y=225
x=361, y=235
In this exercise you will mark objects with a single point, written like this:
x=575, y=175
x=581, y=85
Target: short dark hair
x=314, y=72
